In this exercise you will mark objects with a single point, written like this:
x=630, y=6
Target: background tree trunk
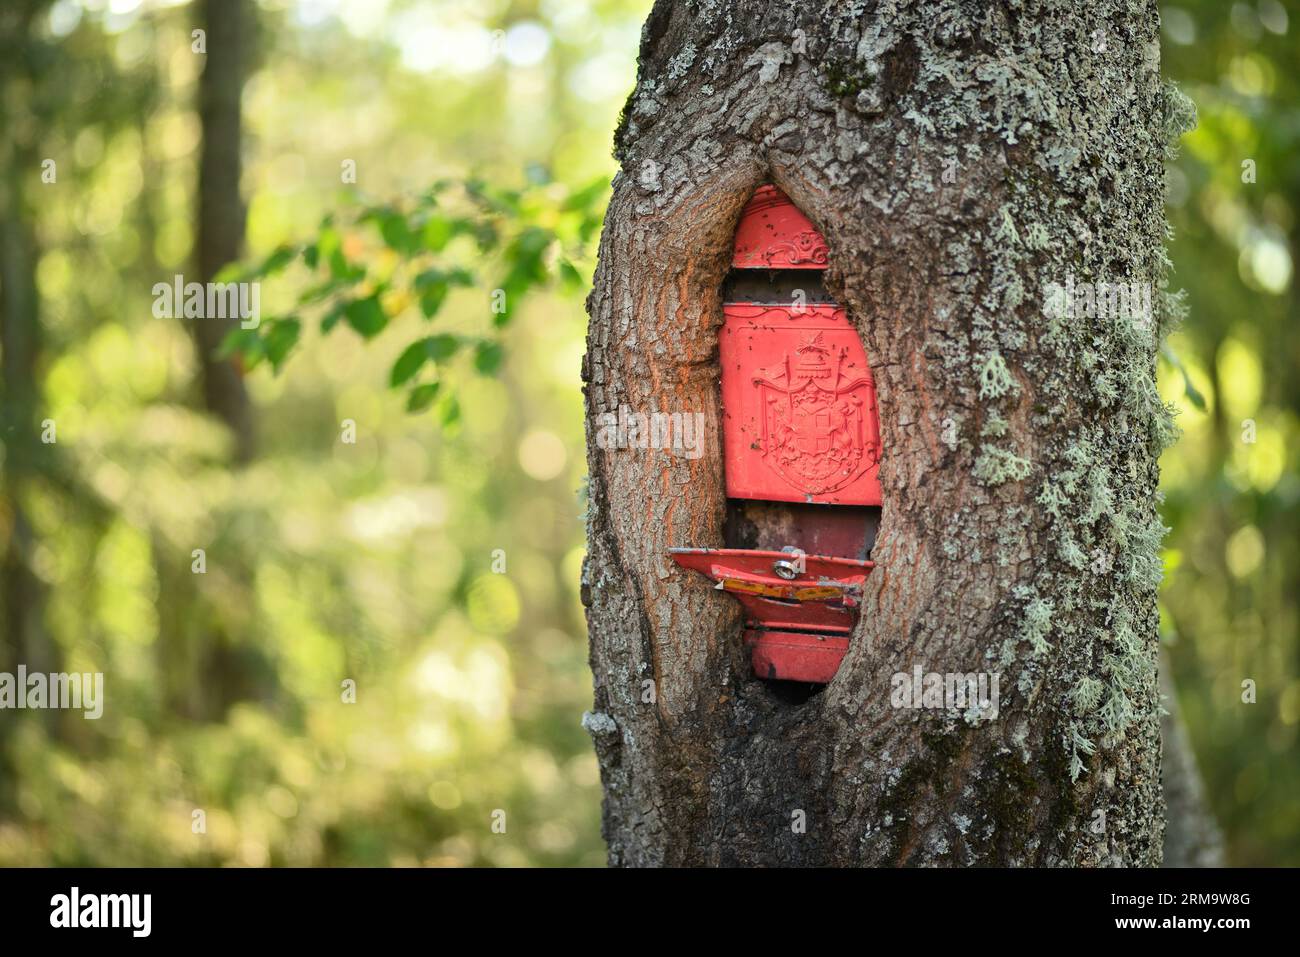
x=221, y=207
x=958, y=157
x=1192, y=836
x=24, y=638
x=203, y=668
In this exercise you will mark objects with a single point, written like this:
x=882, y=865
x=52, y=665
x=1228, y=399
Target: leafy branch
x=389, y=259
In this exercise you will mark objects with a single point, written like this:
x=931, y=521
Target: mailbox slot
x=801, y=445
x=847, y=530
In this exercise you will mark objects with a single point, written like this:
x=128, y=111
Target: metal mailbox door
x=799, y=406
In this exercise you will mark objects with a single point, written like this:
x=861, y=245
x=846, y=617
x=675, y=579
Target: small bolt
x=786, y=570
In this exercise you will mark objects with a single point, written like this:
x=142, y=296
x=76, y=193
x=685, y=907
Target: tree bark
x=221, y=207
x=957, y=157
x=1192, y=836
x=24, y=638
x=203, y=669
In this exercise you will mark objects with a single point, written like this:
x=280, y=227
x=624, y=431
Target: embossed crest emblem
x=798, y=390
x=815, y=417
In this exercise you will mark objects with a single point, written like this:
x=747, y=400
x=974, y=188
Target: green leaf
x=332, y=317
x=330, y=247
x=488, y=356
x=322, y=291
x=366, y=316
x=1193, y=394
x=583, y=198
x=434, y=284
x=274, y=263
x=328, y=241
x=432, y=298
x=438, y=231
x=532, y=243
x=442, y=346
x=233, y=272
x=590, y=226
x=430, y=196
x=409, y=363
x=280, y=339
x=421, y=397
x=428, y=277
x=450, y=277
x=486, y=235
x=396, y=232
x=450, y=411
x=240, y=342
x=526, y=254
x=494, y=199
x=570, y=275
x=413, y=357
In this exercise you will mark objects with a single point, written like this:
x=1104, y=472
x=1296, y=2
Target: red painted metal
x=792, y=656
x=800, y=422
x=817, y=529
x=774, y=234
x=799, y=609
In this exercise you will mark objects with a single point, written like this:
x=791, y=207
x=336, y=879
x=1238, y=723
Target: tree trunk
x=958, y=158
x=24, y=638
x=221, y=207
x=202, y=668
x=1192, y=837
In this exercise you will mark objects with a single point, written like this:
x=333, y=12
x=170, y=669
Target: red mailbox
x=801, y=444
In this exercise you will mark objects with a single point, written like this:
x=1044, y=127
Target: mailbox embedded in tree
x=801, y=444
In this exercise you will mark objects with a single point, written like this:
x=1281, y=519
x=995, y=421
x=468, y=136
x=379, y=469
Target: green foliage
x=386, y=259
x=325, y=560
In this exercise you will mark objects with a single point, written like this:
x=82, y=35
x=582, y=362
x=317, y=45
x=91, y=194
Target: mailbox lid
x=761, y=563
x=800, y=422
x=774, y=234
x=823, y=597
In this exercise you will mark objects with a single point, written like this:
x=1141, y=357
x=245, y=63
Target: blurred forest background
x=435, y=560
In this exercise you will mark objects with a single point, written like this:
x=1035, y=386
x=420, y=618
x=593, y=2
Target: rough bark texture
x=1019, y=531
